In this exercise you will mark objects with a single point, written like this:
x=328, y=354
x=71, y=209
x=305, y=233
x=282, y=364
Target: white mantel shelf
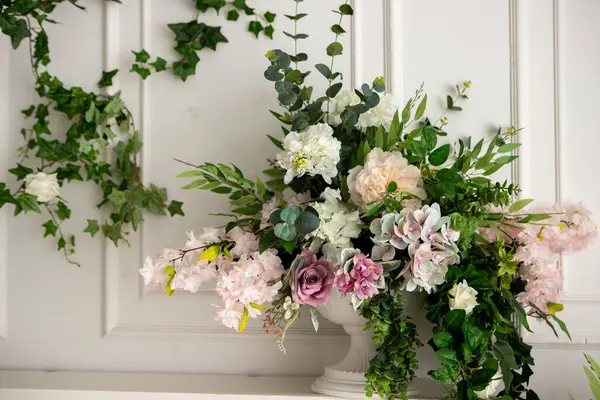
x=38, y=385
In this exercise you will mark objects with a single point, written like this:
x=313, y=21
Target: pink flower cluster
x=249, y=283
x=190, y=271
x=540, y=245
x=430, y=241
x=363, y=279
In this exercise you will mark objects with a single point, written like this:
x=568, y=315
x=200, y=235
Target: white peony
x=492, y=389
x=314, y=152
x=381, y=115
x=44, y=187
x=463, y=297
x=338, y=105
x=338, y=223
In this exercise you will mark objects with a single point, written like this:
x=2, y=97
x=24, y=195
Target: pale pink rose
x=368, y=183
x=230, y=317
x=312, y=283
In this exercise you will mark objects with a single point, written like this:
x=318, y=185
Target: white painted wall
x=533, y=64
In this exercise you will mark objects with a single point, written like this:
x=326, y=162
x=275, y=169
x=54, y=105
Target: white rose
x=44, y=187
x=463, y=297
x=492, y=389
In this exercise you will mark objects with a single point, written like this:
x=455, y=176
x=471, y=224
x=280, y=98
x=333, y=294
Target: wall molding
x=4, y=158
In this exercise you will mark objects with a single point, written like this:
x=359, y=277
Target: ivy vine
x=101, y=143
x=194, y=36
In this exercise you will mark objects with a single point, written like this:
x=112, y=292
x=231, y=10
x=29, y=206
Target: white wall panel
x=533, y=63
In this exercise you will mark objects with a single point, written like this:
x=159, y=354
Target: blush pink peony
x=368, y=183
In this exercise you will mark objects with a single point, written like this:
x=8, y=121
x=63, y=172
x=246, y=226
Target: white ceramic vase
x=346, y=379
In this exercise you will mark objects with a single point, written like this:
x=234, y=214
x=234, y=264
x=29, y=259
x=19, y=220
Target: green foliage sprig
x=101, y=143
x=395, y=363
x=194, y=36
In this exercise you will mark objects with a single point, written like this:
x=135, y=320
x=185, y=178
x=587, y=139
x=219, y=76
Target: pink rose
x=312, y=283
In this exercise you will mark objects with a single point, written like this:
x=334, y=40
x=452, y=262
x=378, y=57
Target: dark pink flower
x=343, y=282
x=365, y=269
x=313, y=281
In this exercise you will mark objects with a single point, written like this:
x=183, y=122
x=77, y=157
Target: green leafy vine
x=101, y=143
x=194, y=36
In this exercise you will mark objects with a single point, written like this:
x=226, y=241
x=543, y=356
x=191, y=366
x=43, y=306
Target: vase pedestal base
x=346, y=385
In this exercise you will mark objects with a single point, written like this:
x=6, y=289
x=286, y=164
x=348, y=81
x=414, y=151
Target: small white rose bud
x=44, y=187
x=463, y=297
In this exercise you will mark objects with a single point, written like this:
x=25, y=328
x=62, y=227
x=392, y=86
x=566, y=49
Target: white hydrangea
x=314, y=152
x=338, y=104
x=381, y=115
x=338, y=223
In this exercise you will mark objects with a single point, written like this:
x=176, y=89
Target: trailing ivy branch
x=194, y=36
x=100, y=145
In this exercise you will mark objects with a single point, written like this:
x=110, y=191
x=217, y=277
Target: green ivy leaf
x=20, y=171
x=233, y=15
x=159, y=65
x=92, y=227
x=269, y=31
x=141, y=56
x=175, y=208
x=107, y=77
x=270, y=17
x=50, y=228
x=28, y=202
x=63, y=212
x=141, y=71
x=255, y=27
x=204, y=5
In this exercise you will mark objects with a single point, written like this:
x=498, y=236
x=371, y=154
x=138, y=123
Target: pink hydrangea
x=364, y=279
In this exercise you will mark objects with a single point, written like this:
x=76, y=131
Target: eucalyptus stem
x=296, y=33
x=337, y=36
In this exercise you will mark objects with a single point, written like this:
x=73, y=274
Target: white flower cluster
x=381, y=115
x=313, y=152
x=338, y=223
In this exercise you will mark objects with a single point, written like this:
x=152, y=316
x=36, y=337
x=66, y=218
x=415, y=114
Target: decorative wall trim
x=4, y=146
x=514, y=82
x=367, y=58
x=110, y=262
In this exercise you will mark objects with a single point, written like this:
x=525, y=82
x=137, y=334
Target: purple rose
x=313, y=281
